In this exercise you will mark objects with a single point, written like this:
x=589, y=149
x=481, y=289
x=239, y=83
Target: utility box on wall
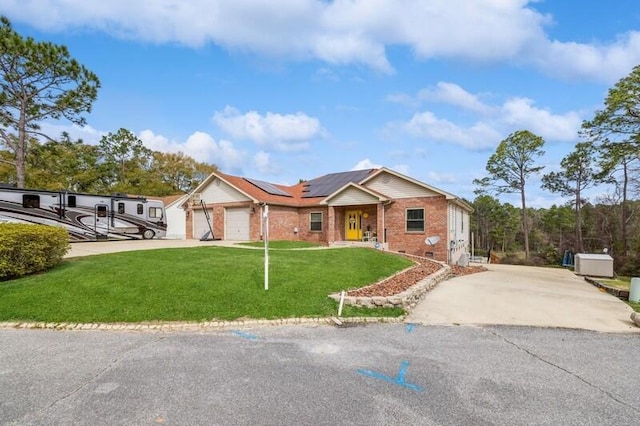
x=594, y=265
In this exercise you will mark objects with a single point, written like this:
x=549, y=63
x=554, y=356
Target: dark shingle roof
x=326, y=185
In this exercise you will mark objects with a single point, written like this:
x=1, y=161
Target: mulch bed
x=403, y=281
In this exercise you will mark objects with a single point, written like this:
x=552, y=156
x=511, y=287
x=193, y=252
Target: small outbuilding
x=594, y=265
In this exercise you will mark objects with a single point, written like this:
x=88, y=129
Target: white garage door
x=200, y=226
x=237, y=224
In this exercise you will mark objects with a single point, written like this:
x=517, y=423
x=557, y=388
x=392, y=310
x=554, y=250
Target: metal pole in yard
x=266, y=246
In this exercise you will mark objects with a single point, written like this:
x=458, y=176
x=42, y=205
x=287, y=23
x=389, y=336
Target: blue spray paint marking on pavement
x=398, y=380
x=410, y=327
x=244, y=335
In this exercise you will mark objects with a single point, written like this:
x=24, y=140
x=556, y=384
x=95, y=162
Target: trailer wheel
x=148, y=234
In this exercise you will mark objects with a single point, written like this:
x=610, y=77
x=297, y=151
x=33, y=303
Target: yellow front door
x=353, y=226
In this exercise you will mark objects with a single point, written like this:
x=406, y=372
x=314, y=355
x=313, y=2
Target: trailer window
x=71, y=201
x=30, y=201
x=140, y=209
x=155, y=212
x=101, y=210
x=120, y=208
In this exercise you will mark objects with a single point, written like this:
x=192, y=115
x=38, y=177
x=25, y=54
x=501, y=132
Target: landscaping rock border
x=407, y=299
x=617, y=292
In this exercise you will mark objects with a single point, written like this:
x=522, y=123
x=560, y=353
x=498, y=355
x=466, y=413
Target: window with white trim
x=315, y=222
x=415, y=220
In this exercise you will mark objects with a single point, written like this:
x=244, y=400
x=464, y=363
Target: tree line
x=607, y=153
x=40, y=81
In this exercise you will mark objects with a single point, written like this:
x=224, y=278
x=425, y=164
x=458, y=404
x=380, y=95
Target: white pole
x=341, y=304
x=266, y=247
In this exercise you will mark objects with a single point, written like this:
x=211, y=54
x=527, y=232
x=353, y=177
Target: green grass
x=196, y=284
x=635, y=306
x=621, y=282
x=282, y=245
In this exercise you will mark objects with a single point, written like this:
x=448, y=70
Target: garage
x=200, y=225
x=237, y=224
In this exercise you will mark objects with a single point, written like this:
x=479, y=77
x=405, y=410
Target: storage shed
x=594, y=265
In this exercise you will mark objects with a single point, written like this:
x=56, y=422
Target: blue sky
x=294, y=89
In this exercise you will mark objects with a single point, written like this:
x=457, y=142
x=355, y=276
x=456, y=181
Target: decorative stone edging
x=163, y=327
x=635, y=317
x=617, y=292
x=407, y=299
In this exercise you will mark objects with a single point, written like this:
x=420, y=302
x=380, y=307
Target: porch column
x=331, y=225
x=380, y=222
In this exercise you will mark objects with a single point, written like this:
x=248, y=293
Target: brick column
x=331, y=225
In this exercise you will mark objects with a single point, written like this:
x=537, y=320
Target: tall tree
x=125, y=159
x=577, y=173
x=510, y=167
x=556, y=222
x=65, y=165
x=38, y=81
x=174, y=173
x=617, y=129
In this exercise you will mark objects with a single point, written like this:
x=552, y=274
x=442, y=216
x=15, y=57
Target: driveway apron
x=523, y=295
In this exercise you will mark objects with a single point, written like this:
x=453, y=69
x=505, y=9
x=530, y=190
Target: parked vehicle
x=87, y=217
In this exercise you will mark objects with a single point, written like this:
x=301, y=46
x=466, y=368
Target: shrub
x=627, y=265
x=25, y=249
x=549, y=255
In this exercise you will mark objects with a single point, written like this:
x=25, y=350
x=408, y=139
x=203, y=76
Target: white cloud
x=601, y=62
x=521, y=113
x=263, y=163
x=442, y=177
x=366, y=164
x=289, y=132
x=345, y=31
x=201, y=146
x=495, y=121
x=426, y=125
x=452, y=94
x=88, y=134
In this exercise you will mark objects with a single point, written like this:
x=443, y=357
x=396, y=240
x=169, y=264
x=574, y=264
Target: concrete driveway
x=102, y=247
x=524, y=295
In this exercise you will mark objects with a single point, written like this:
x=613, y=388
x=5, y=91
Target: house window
x=120, y=208
x=315, y=221
x=30, y=201
x=415, y=220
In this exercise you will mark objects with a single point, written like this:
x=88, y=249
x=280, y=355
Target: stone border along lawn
x=406, y=288
x=617, y=292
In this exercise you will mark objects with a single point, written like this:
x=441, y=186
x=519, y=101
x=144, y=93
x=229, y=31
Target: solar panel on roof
x=267, y=187
x=328, y=184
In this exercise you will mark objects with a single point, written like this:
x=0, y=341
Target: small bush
x=627, y=265
x=25, y=249
x=549, y=255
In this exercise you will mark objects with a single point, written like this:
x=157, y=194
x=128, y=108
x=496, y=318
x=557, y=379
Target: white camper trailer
x=87, y=217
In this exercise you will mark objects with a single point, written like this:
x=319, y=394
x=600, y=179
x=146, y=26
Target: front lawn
x=196, y=284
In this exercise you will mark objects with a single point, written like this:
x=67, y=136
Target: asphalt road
x=379, y=374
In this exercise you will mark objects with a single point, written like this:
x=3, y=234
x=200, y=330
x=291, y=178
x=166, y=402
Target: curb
x=167, y=327
x=635, y=317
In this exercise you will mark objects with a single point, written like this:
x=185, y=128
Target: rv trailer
x=86, y=217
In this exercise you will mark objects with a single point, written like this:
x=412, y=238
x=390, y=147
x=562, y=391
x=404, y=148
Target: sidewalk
x=524, y=295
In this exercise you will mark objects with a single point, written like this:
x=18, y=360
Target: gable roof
x=316, y=191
